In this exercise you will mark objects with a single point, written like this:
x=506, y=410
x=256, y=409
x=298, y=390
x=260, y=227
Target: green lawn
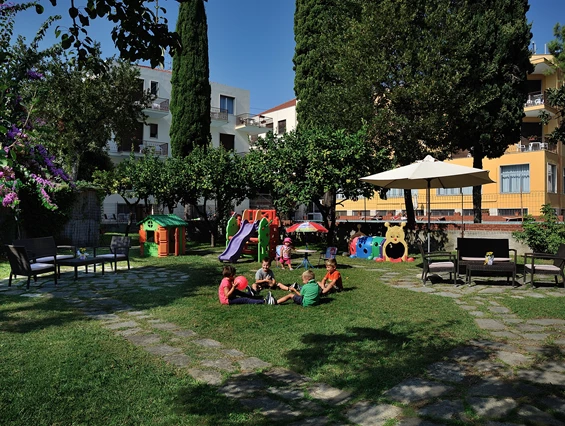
x=58, y=368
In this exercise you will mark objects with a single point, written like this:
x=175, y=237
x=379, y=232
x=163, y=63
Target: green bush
x=544, y=236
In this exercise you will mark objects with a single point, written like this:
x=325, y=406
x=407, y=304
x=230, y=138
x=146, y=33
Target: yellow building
x=529, y=174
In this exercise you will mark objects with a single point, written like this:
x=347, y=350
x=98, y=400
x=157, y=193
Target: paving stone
x=414, y=421
x=554, y=403
x=555, y=366
x=492, y=407
x=535, y=336
x=446, y=410
x=423, y=290
x=513, y=358
x=287, y=376
x=487, y=366
x=144, y=339
x=209, y=377
x=505, y=334
x=223, y=364
x=271, y=408
x=366, y=414
x=162, y=350
x=477, y=313
x=136, y=313
x=328, y=394
x=208, y=343
x=499, y=309
x=242, y=386
x=252, y=363
x=490, y=324
x=184, y=333
x=167, y=326
x=287, y=393
x=444, y=371
x=118, y=325
x=512, y=320
x=534, y=415
x=447, y=294
x=529, y=327
x=129, y=331
x=180, y=360
x=468, y=307
x=547, y=321
x=502, y=424
x=468, y=354
x=233, y=352
x=538, y=376
x=414, y=390
x=495, y=386
x=312, y=421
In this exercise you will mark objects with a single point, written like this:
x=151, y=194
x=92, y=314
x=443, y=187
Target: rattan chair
x=555, y=268
x=20, y=265
x=437, y=262
x=119, y=251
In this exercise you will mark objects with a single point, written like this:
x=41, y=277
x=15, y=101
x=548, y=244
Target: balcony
x=535, y=103
x=527, y=145
x=218, y=116
x=253, y=124
x=161, y=148
x=159, y=108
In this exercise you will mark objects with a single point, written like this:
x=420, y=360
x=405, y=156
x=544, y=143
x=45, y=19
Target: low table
x=305, y=262
x=77, y=261
x=497, y=267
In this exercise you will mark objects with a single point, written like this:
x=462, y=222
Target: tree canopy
x=191, y=91
x=556, y=96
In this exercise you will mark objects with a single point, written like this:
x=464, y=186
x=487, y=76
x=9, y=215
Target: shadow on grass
x=215, y=408
x=368, y=361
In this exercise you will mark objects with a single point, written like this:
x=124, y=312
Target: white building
x=231, y=126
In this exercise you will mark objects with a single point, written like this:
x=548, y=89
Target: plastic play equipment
x=392, y=248
x=366, y=247
x=255, y=233
x=162, y=235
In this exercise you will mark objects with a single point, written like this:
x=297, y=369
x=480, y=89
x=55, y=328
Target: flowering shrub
x=24, y=161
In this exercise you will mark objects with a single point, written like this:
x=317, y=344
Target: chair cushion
x=49, y=259
x=36, y=267
x=544, y=269
x=112, y=257
x=481, y=259
x=441, y=266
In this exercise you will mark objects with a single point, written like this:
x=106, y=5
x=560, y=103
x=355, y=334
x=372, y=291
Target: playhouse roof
x=164, y=220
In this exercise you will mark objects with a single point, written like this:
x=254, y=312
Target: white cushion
x=482, y=259
x=47, y=259
x=36, y=267
x=112, y=257
x=547, y=269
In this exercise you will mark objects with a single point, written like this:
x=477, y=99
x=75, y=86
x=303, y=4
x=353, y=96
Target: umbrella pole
x=429, y=213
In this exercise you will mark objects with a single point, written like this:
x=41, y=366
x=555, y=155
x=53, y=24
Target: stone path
x=487, y=382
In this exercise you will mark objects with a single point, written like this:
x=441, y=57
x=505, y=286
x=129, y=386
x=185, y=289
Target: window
x=155, y=88
x=227, y=104
x=399, y=193
x=153, y=130
x=227, y=141
x=468, y=190
x=515, y=178
x=281, y=127
x=551, y=178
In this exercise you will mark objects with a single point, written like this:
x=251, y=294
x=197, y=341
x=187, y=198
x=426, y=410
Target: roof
x=164, y=220
x=287, y=104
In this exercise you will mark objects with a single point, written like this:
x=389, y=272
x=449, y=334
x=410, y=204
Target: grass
x=57, y=367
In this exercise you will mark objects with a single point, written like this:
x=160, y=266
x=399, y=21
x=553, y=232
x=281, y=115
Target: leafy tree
x=304, y=166
x=190, y=92
x=544, y=236
x=141, y=30
x=556, y=96
x=320, y=28
x=84, y=109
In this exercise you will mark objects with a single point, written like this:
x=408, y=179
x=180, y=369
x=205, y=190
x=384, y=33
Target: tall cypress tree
x=190, y=93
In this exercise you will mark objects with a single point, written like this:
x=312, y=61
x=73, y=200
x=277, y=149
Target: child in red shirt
x=332, y=280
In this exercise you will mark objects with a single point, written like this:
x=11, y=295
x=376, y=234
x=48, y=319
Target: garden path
x=496, y=379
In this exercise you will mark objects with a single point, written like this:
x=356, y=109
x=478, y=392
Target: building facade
x=231, y=126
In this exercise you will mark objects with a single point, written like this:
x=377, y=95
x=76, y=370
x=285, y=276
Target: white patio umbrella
x=430, y=173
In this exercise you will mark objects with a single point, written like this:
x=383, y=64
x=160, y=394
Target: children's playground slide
x=236, y=244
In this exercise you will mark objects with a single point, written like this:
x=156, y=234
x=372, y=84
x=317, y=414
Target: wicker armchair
x=436, y=262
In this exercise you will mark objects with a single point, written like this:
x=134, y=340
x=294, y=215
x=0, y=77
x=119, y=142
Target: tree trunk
x=410, y=215
x=477, y=198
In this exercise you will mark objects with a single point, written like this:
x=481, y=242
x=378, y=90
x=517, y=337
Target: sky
x=251, y=42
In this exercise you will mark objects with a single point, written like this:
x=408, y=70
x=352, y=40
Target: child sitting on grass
x=332, y=281
x=307, y=295
x=229, y=294
x=264, y=277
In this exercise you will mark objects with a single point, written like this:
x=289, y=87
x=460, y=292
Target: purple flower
x=13, y=132
x=10, y=200
x=34, y=75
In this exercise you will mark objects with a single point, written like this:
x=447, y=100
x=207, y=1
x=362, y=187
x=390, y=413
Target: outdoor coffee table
x=76, y=262
x=305, y=262
x=497, y=267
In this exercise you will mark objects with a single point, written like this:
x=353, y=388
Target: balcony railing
x=535, y=99
x=530, y=146
x=248, y=120
x=161, y=148
x=159, y=105
x=218, y=114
